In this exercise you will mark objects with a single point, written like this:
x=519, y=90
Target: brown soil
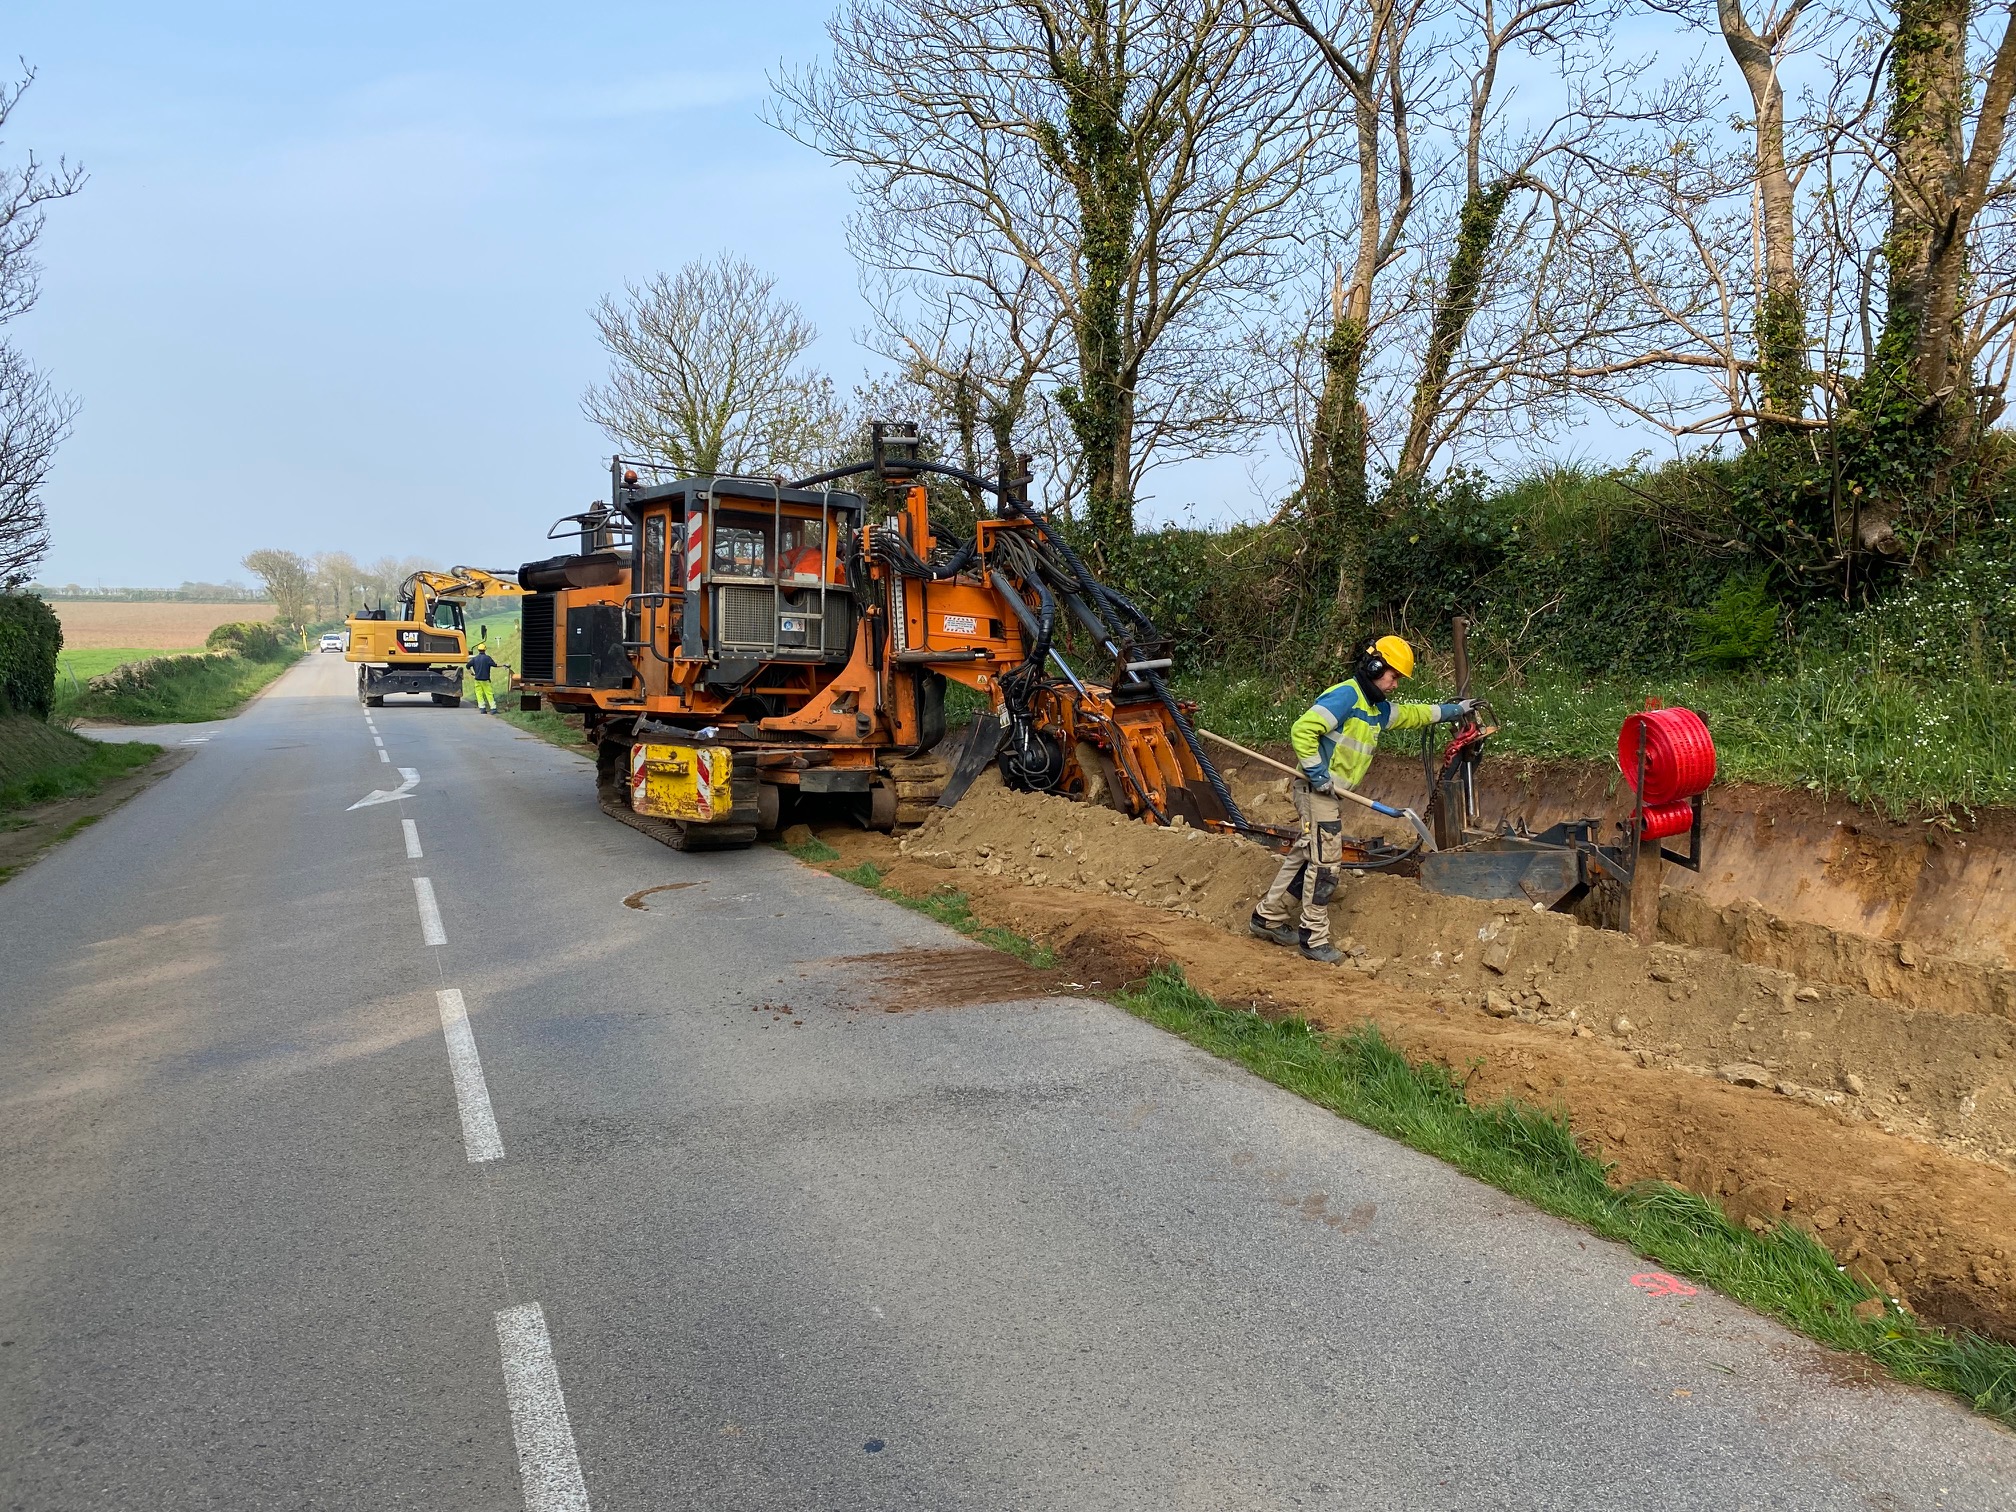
x=903, y=981
x=90, y=623
x=1945, y=885
x=26, y=833
x=1887, y=1129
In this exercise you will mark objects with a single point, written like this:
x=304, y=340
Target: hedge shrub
x=30, y=638
x=254, y=640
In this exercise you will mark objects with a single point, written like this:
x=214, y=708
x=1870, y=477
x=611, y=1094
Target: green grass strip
x=173, y=689
x=94, y=766
x=1785, y=1274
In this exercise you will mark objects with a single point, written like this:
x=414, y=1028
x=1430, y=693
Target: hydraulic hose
x=1114, y=605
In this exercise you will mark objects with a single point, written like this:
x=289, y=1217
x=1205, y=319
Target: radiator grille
x=746, y=619
x=536, y=647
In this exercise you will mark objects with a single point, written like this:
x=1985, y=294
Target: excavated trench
x=1862, y=1087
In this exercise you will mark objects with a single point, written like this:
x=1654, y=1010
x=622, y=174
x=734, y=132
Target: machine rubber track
x=919, y=780
x=614, y=798
x=682, y=837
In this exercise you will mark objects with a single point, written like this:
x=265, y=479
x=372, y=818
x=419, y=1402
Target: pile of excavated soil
x=1887, y=1129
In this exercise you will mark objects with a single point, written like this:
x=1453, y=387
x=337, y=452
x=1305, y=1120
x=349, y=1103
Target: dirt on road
x=1853, y=1087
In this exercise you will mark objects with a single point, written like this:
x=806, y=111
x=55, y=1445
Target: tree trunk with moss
x=1782, y=376
x=1462, y=287
x=1337, y=498
x=1916, y=408
x=1094, y=154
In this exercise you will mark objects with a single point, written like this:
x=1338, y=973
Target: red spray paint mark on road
x=1659, y=1284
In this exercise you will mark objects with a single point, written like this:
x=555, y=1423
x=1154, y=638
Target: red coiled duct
x=1679, y=756
x=1669, y=819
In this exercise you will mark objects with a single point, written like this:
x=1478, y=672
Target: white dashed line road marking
x=381, y=754
x=472, y=1096
x=412, y=839
x=430, y=913
x=549, y=1467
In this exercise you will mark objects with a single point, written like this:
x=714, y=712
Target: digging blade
x=983, y=739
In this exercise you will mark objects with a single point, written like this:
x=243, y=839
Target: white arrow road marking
x=404, y=790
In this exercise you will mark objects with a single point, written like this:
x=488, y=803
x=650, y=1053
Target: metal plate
x=1542, y=875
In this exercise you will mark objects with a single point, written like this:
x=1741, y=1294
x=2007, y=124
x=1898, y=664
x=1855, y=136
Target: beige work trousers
x=1319, y=850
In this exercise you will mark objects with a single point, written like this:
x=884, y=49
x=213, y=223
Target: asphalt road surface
x=386, y=1157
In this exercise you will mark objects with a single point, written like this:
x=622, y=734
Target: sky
x=328, y=285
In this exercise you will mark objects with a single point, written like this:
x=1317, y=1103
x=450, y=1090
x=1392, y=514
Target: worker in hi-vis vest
x=1334, y=741
x=480, y=667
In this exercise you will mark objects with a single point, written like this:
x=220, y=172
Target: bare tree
x=290, y=584
x=338, y=580
x=705, y=374
x=34, y=417
x=1141, y=160
x=1455, y=204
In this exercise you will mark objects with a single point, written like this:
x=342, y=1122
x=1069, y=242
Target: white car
x=333, y=641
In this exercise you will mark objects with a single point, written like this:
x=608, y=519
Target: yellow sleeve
x=1311, y=727
x=1411, y=716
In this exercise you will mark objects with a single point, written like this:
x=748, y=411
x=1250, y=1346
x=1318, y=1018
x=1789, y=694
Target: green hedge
x=254, y=640
x=30, y=638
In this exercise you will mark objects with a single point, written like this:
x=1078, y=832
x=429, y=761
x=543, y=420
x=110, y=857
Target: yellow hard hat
x=1396, y=653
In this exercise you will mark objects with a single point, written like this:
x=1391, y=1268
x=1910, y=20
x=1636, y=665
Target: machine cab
x=736, y=573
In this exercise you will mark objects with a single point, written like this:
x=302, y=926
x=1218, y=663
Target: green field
x=75, y=668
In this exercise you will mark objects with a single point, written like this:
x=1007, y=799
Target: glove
x=1319, y=781
x=1461, y=709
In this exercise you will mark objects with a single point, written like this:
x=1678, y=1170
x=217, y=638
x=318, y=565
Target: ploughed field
x=97, y=625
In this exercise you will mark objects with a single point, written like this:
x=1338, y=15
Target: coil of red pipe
x=1679, y=756
x=1669, y=819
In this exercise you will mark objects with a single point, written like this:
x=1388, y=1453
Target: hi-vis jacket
x=1338, y=733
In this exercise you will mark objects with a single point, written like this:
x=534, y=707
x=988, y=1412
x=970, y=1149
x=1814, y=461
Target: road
x=386, y=1157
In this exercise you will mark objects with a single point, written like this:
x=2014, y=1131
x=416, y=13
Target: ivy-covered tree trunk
x=1782, y=376
x=1476, y=230
x=1337, y=499
x=1095, y=154
x=1916, y=405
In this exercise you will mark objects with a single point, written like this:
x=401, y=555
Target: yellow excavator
x=425, y=649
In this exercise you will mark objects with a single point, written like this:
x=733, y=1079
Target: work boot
x=1325, y=952
x=1266, y=929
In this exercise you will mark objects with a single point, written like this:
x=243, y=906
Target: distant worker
x=1334, y=740
x=480, y=667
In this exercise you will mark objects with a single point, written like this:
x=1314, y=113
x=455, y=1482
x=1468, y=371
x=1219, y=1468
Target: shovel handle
x=1407, y=815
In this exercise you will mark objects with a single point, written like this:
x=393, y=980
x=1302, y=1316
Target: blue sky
x=328, y=286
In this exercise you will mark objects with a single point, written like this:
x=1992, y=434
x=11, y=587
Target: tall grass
x=1826, y=724
x=170, y=689
x=40, y=763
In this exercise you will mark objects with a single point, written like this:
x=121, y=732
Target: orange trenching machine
x=743, y=650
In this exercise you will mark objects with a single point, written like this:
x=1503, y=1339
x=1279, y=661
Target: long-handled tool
x=1414, y=819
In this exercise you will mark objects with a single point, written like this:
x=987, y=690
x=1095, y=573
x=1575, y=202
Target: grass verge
x=171, y=689
x=42, y=763
x=1785, y=1274
x=1825, y=726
